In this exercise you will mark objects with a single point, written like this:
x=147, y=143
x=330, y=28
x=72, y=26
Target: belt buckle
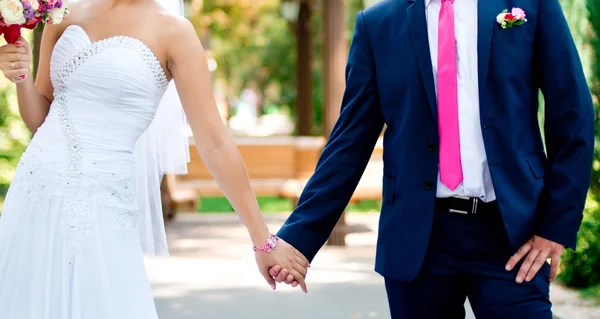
x=464, y=212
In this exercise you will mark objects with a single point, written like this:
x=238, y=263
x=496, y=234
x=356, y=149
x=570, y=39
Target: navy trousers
x=466, y=258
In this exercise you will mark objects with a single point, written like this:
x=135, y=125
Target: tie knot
x=451, y=1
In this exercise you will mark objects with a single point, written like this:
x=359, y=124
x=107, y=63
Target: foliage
x=254, y=46
x=13, y=134
x=592, y=293
x=581, y=269
x=12, y=138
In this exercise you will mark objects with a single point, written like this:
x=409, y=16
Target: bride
x=83, y=206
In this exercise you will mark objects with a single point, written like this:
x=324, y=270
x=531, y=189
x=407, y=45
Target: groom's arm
x=345, y=156
x=569, y=127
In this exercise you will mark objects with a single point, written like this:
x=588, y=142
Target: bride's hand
x=15, y=60
x=286, y=257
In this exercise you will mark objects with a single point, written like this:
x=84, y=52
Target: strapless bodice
x=106, y=95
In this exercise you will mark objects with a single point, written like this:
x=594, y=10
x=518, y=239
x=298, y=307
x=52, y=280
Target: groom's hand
x=280, y=274
x=283, y=275
x=537, y=250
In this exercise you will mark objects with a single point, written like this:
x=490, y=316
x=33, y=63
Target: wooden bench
x=278, y=166
x=271, y=163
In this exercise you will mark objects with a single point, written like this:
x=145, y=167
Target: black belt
x=465, y=205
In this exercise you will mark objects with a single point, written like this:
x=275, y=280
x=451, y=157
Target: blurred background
x=278, y=76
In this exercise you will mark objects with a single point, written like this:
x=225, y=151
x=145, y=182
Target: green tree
x=13, y=138
x=252, y=45
x=581, y=269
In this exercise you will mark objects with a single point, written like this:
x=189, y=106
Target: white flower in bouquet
x=12, y=12
x=57, y=15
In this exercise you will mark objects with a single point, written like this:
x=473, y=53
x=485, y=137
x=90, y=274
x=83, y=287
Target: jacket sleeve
x=568, y=129
x=344, y=157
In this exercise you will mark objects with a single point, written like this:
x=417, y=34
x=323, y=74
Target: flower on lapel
x=508, y=19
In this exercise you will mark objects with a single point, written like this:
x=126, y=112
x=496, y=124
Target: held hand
x=286, y=257
x=283, y=275
x=15, y=60
x=537, y=250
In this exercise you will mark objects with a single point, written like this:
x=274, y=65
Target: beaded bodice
x=106, y=95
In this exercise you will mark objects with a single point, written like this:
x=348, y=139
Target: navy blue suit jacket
x=389, y=80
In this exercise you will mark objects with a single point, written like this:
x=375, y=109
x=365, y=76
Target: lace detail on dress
x=34, y=180
x=118, y=193
x=37, y=180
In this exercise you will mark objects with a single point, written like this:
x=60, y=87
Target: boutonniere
x=508, y=19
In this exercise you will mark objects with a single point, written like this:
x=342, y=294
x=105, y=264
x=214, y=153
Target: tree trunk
x=304, y=86
x=36, y=45
x=335, y=50
x=168, y=208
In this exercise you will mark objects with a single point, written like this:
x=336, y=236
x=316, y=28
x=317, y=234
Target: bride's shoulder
x=176, y=30
x=77, y=8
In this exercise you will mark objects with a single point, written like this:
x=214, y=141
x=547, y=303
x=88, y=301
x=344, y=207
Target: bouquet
x=17, y=14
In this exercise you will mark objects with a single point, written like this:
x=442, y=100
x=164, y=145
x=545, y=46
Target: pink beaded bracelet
x=270, y=245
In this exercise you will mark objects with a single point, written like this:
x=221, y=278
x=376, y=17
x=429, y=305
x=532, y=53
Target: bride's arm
x=34, y=99
x=213, y=140
x=187, y=64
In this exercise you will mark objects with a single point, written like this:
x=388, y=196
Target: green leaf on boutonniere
x=519, y=22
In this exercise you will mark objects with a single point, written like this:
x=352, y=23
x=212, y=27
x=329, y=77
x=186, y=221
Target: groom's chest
x=465, y=31
x=407, y=39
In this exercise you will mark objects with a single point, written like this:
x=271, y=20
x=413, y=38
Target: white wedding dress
x=69, y=242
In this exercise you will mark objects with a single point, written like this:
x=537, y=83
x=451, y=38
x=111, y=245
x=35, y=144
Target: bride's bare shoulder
x=181, y=40
x=175, y=27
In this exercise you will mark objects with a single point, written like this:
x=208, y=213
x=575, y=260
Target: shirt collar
x=427, y=3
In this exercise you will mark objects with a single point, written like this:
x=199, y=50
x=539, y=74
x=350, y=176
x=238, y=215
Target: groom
x=474, y=204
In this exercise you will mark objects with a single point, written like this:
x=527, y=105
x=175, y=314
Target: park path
x=211, y=274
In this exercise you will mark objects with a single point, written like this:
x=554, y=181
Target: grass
x=272, y=204
x=592, y=293
x=267, y=204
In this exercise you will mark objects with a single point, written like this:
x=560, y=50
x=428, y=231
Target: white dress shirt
x=477, y=181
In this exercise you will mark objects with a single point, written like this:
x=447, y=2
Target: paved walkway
x=211, y=274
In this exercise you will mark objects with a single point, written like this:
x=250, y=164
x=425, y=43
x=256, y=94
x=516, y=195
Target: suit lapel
x=485, y=26
x=420, y=41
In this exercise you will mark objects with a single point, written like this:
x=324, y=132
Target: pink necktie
x=451, y=173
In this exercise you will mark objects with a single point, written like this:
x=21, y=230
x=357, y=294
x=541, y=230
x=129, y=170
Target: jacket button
x=431, y=147
x=428, y=185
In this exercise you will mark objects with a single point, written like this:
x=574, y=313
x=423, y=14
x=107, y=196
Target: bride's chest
x=117, y=69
